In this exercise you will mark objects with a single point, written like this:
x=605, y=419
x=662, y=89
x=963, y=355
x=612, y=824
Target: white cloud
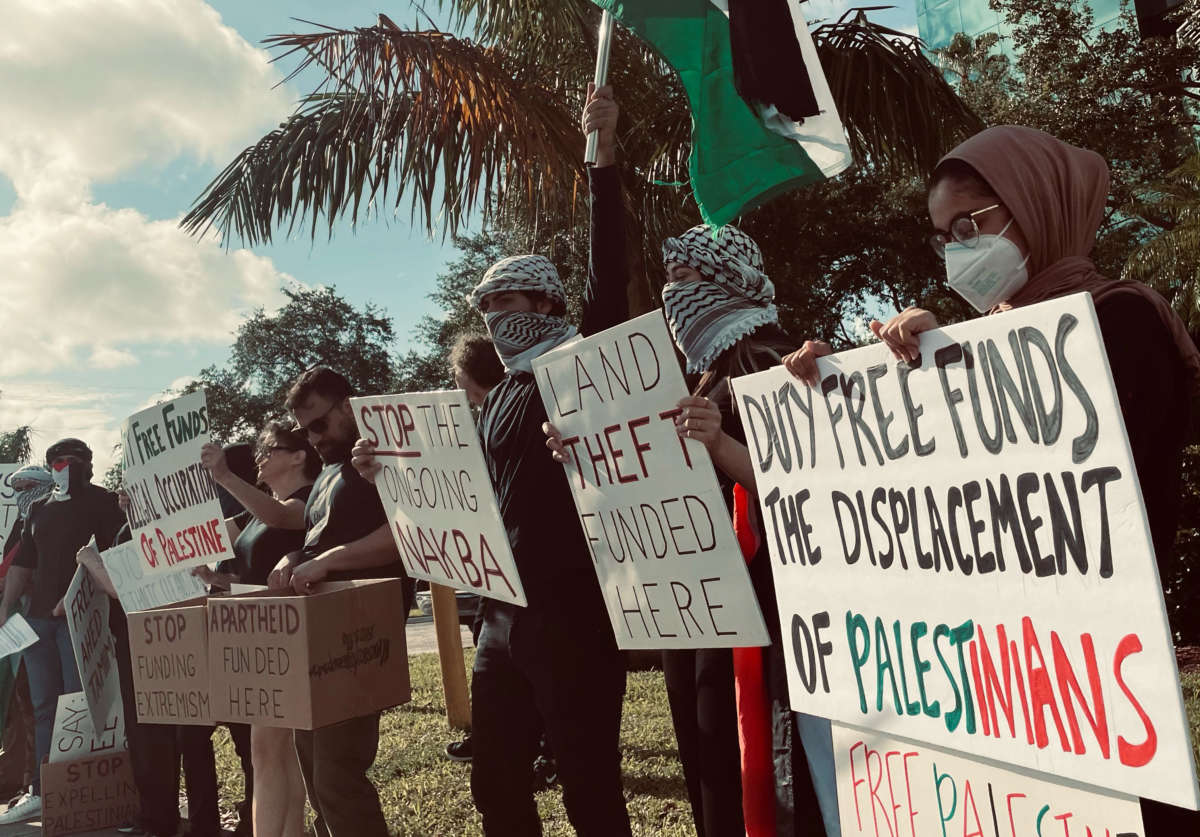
x=55, y=412
x=93, y=91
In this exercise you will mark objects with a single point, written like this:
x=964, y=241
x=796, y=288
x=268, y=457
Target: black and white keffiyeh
x=734, y=297
x=521, y=336
x=531, y=273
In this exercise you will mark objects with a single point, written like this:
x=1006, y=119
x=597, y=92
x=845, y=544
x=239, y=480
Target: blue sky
x=116, y=116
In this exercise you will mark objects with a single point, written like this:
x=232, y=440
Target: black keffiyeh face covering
x=521, y=336
x=733, y=298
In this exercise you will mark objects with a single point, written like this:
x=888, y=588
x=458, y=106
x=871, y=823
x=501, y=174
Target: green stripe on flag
x=736, y=163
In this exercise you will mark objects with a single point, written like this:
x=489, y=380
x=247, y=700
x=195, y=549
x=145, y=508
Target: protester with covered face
x=30, y=483
x=1015, y=213
x=73, y=513
x=555, y=661
x=744, y=767
x=346, y=536
x=271, y=526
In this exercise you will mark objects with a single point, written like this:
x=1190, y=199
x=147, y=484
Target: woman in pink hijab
x=1015, y=213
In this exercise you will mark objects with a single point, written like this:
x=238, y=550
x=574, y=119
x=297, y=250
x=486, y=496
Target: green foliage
x=1128, y=99
x=16, y=445
x=316, y=327
x=1169, y=260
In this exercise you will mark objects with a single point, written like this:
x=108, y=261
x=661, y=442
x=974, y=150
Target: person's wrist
x=606, y=154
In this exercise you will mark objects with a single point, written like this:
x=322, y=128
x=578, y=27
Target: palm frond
x=400, y=113
x=897, y=108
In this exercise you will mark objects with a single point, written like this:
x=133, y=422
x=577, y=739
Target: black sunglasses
x=319, y=425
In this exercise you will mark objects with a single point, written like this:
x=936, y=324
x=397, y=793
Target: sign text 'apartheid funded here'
x=649, y=503
x=888, y=787
x=961, y=551
x=435, y=488
x=173, y=507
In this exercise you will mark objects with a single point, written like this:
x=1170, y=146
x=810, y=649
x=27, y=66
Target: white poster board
x=656, y=523
x=174, y=511
x=75, y=736
x=87, y=609
x=962, y=556
x=139, y=590
x=8, y=501
x=437, y=493
x=15, y=635
x=892, y=787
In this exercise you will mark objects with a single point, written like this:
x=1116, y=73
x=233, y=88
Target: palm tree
x=489, y=124
x=1170, y=260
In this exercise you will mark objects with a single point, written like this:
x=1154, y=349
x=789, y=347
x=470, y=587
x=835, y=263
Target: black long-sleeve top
x=1155, y=399
x=532, y=490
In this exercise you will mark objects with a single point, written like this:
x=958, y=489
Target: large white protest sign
x=139, y=590
x=15, y=635
x=8, y=501
x=75, y=736
x=174, y=511
x=961, y=551
x=435, y=487
x=87, y=608
x=891, y=787
x=649, y=503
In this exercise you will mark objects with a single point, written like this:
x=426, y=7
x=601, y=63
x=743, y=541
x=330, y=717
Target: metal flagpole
x=603, y=47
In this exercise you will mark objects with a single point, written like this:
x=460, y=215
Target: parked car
x=467, y=603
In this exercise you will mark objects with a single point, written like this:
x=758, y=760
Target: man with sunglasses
x=346, y=537
x=75, y=512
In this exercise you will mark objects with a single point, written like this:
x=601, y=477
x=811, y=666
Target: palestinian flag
x=780, y=132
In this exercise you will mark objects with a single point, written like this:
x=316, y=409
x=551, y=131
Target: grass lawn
x=424, y=793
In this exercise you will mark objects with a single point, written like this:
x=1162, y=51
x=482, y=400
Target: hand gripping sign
x=961, y=551
x=649, y=503
x=173, y=507
x=435, y=487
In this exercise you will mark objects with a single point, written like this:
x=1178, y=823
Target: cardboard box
x=168, y=647
x=88, y=794
x=303, y=662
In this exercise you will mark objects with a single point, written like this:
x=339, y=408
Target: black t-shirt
x=259, y=547
x=343, y=507
x=56, y=531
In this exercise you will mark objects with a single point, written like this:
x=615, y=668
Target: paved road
x=423, y=640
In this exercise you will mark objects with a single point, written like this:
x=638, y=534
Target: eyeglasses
x=963, y=230
x=319, y=425
x=265, y=451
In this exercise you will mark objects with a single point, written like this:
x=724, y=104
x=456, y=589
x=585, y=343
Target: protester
x=1015, y=213
x=554, y=661
x=156, y=750
x=239, y=460
x=346, y=536
x=719, y=305
x=30, y=484
x=271, y=527
x=476, y=368
x=73, y=513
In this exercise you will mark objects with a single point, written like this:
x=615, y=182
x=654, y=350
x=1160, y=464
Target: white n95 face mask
x=988, y=273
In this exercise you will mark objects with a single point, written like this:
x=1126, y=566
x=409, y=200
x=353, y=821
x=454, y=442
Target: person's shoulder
x=302, y=493
x=1129, y=307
